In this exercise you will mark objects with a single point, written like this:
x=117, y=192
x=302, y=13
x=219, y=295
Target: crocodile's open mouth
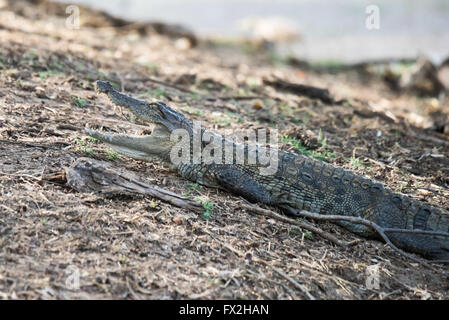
x=148, y=147
x=143, y=147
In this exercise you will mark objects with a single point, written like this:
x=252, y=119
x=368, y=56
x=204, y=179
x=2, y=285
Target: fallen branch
x=303, y=225
x=302, y=90
x=35, y=145
x=428, y=138
x=89, y=175
x=235, y=98
x=163, y=83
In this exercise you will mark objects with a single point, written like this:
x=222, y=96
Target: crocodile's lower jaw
x=142, y=147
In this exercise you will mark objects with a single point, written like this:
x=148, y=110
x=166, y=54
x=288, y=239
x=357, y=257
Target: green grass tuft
x=322, y=153
x=79, y=102
x=112, y=155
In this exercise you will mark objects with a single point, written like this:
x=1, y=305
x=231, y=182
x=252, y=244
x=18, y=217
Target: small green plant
x=253, y=82
x=56, y=65
x=321, y=154
x=123, y=260
x=191, y=110
x=150, y=66
x=321, y=140
x=131, y=118
x=79, y=102
x=208, y=206
x=275, y=59
x=330, y=64
x=19, y=83
x=356, y=162
x=80, y=142
x=112, y=155
x=236, y=116
x=9, y=72
x=194, y=186
x=194, y=96
x=83, y=147
x=295, y=230
x=308, y=235
x=89, y=152
x=46, y=74
x=402, y=187
x=157, y=93
x=2, y=60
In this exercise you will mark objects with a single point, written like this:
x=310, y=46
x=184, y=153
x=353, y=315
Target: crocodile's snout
x=103, y=86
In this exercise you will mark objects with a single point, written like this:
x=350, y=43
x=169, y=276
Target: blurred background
x=312, y=30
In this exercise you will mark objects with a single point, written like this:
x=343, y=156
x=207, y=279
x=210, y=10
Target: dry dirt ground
x=142, y=248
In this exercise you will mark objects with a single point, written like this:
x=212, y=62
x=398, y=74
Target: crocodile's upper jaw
x=154, y=112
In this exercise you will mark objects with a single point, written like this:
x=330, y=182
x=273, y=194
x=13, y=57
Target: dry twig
x=303, y=225
x=89, y=175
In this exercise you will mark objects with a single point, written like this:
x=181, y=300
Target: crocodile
x=298, y=183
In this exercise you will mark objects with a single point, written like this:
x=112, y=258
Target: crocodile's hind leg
x=389, y=215
x=238, y=181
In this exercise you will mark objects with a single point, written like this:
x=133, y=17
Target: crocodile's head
x=145, y=147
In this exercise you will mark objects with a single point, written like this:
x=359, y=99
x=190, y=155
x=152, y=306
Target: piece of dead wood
x=90, y=175
x=301, y=90
x=366, y=113
x=301, y=224
x=58, y=177
x=65, y=126
x=235, y=98
x=30, y=144
x=426, y=137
